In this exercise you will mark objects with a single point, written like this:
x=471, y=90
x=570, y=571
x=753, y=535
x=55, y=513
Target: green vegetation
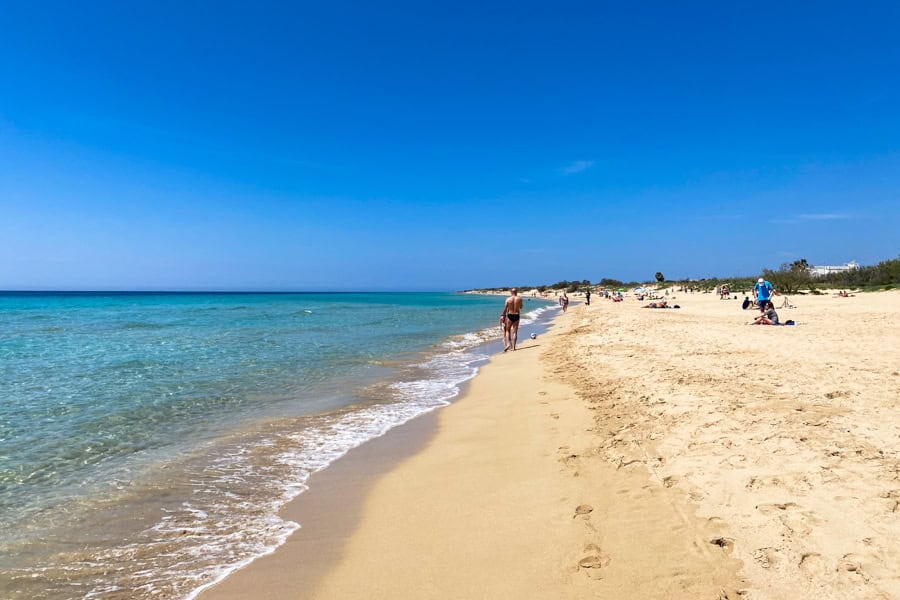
x=884, y=275
x=794, y=277
x=790, y=278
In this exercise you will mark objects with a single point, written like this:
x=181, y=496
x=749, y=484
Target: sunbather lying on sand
x=660, y=304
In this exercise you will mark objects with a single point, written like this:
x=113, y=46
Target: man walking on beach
x=512, y=309
x=764, y=291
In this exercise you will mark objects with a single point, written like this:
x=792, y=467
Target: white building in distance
x=820, y=270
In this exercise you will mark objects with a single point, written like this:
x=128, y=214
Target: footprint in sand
x=893, y=500
x=583, y=510
x=768, y=509
x=725, y=543
x=670, y=481
x=803, y=522
x=571, y=464
x=594, y=560
x=812, y=563
x=850, y=563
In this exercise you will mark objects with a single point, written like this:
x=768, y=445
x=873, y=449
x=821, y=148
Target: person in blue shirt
x=764, y=291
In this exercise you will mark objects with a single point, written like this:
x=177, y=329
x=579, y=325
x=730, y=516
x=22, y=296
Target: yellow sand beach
x=631, y=453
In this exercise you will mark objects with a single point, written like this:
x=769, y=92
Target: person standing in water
x=512, y=310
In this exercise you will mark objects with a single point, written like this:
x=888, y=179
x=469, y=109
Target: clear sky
x=441, y=145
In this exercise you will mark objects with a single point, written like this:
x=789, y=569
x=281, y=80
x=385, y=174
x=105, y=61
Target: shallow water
x=147, y=441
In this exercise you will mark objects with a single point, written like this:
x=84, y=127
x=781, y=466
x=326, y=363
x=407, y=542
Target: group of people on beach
x=512, y=310
x=767, y=315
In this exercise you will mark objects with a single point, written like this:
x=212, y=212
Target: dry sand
x=640, y=453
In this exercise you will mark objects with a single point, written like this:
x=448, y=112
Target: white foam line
x=435, y=393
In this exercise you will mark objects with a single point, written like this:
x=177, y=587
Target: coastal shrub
x=887, y=272
x=606, y=282
x=790, y=278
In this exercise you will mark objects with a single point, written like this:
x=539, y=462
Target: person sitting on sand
x=767, y=317
x=661, y=304
x=746, y=303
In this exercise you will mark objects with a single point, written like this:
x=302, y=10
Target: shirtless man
x=512, y=310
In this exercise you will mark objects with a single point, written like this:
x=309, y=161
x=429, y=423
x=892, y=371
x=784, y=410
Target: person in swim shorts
x=512, y=310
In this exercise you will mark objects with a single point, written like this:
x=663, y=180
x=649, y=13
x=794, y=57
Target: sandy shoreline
x=632, y=453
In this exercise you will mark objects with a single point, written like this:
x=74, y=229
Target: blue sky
x=441, y=145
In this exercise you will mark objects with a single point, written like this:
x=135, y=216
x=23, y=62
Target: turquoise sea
x=148, y=441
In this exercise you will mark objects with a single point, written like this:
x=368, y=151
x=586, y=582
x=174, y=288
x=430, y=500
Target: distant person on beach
x=768, y=316
x=660, y=304
x=512, y=310
x=587, y=297
x=764, y=291
x=746, y=303
x=564, y=302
